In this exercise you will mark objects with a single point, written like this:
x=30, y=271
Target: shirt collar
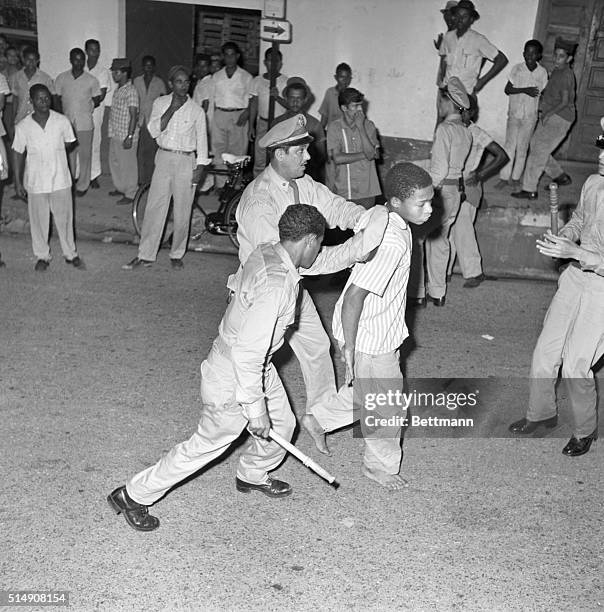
x=286, y=259
x=397, y=220
x=276, y=178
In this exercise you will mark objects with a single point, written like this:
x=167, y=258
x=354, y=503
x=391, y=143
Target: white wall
x=388, y=43
x=65, y=24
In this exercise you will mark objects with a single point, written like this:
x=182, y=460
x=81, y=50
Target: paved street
x=100, y=374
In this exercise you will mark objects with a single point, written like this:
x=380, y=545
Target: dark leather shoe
x=437, y=301
x=525, y=195
x=81, y=193
x=135, y=263
x=125, y=201
x=177, y=264
x=41, y=265
x=94, y=184
x=474, y=281
x=416, y=302
x=524, y=426
x=115, y=193
x=136, y=515
x=563, y=179
x=273, y=488
x=76, y=262
x=579, y=446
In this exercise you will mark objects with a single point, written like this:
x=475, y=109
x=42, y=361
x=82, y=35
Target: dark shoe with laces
x=524, y=426
x=76, y=262
x=437, y=301
x=177, y=264
x=136, y=515
x=41, y=265
x=273, y=488
x=579, y=446
x=136, y=263
x=475, y=281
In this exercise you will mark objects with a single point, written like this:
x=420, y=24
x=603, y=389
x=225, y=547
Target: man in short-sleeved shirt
x=78, y=93
x=463, y=51
x=123, y=132
x=22, y=80
x=46, y=180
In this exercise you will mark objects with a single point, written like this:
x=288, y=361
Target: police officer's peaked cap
x=287, y=133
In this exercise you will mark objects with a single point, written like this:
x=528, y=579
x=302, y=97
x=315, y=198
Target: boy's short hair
x=148, y=58
x=299, y=220
x=91, y=41
x=269, y=52
x=566, y=45
x=349, y=95
x=343, y=67
x=230, y=45
x=76, y=51
x=403, y=179
x=535, y=44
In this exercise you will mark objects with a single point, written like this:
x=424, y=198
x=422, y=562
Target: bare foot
x=310, y=423
x=393, y=482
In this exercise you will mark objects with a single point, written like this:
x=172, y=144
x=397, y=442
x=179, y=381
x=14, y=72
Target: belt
x=576, y=264
x=177, y=152
x=451, y=182
x=229, y=110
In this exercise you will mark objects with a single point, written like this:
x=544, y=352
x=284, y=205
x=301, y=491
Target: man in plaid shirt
x=123, y=133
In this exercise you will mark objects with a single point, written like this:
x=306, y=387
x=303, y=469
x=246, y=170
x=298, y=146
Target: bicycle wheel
x=229, y=217
x=138, y=207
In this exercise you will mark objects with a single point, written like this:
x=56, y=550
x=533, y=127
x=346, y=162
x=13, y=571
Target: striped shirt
x=382, y=328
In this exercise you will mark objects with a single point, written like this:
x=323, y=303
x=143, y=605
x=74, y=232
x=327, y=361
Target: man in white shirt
x=103, y=76
x=230, y=92
x=46, y=182
x=179, y=127
x=463, y=51
x=78, y=93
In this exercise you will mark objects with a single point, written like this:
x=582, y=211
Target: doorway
x=583, y=22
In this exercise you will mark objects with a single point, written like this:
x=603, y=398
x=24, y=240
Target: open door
x=582, y=22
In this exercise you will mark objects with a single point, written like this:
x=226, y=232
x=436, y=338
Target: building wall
x=388, y=43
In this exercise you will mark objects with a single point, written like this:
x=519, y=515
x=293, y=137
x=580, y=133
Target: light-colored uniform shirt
x=358, y=179
x=265, y=200
x=382, y=328
x=330, y=107
x=262, y=307
x=186, y=130
x=451, y=147
x=587, y=222
x=480, y=141
x=148, y=95
x=522, y=106
x=46, y=167
x=464, y=56
x=20, y=84
x=231, y=92
x=76, y=98
x=260, y=88
x=119, y=118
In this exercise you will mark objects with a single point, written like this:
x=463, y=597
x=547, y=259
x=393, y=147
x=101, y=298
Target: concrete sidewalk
x=506, y=227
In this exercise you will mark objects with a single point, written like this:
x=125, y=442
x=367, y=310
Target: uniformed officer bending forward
x=239, y=385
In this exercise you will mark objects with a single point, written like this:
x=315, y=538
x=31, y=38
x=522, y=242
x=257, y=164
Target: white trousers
x=517, y=138
x=60, y=204
x=95, y=164
x=221, y=423
x=462, y=239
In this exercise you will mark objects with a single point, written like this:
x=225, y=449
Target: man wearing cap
x=463, y=51
x=77, y=95
x=260, y=95
x=123, y=132
x=451, y=147
x=282, y=183
x=179, y=126
x=296, y=95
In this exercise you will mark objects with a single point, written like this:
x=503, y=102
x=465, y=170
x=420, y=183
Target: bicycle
x=221, y=222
